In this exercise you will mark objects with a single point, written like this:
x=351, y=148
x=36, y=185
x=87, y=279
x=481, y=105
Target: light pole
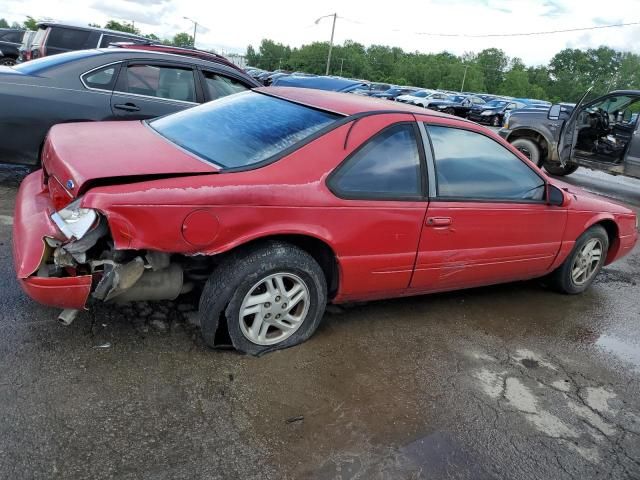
x=195, y=29
x=464, y=77
x=333, y=29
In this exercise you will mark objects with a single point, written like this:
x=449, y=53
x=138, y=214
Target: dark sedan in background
x=459, y=105
x=395, y=92
x=493, y=112
x=10, y=41
x=102, y=84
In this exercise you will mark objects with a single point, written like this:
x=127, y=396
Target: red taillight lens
x=60, y=198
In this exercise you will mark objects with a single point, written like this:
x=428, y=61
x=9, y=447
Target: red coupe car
x=276, y=201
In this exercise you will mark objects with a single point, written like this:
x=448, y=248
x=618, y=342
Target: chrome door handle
x=438, y=221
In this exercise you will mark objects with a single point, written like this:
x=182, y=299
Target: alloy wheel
x=274, y=308
x=586, y=262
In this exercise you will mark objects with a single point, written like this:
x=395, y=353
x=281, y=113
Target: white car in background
x=422, y=98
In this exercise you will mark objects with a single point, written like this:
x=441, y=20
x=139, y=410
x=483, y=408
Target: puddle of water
x=624, y=350
x=438, y=455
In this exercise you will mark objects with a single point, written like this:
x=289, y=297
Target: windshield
x=242, y=129
x=457, y=98
x=41, y=64
x=420, y=94
x=495, y=103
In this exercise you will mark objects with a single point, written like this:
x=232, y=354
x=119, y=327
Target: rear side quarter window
x=101, y=79
x=386, y=167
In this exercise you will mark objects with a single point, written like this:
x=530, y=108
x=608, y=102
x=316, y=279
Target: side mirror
x=554, y=112
x=555, y=196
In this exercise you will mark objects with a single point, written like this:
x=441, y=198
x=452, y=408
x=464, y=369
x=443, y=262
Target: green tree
x=3, y=23
x=121, y=27
x=30, y=24
x=493, y=63
x=182, y=39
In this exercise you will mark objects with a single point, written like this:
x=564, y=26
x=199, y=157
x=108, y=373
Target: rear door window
x=172, y=83
x=13, y=37
x=68, y=38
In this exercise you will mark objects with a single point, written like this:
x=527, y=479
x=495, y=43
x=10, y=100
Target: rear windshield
x=242, y=129
x=41, y=64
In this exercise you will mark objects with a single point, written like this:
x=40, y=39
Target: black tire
x=7, y=61
x=529, y=148
x=450, y=111
x=227, y=287
x=558, y=170
x=561, y=279
x=495, y=121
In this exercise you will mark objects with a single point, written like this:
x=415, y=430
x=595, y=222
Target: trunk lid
x=80, y=154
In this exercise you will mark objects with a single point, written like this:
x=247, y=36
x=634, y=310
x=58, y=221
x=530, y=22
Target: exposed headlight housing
x=486, y=113
x=75, y=221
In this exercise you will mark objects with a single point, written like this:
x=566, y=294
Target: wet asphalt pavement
x=512, y=382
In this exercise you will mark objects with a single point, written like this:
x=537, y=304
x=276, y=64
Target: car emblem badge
x=70, y=184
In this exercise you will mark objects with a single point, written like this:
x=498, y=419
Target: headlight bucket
x=73, y=220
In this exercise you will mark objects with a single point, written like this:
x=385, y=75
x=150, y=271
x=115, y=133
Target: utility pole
x=195, y=29
x=464, y=77
x=341, y=65
x=333, y=29
x=280, y=64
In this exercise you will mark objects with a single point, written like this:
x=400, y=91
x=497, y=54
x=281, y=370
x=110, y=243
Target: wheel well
x=612, y=233
x=319, y=250
x=534, y=136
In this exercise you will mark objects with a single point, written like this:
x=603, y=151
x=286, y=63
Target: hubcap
x=274, y=308
x=586, y=262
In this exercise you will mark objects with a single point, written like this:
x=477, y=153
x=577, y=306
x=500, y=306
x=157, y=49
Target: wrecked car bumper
x=32, y=225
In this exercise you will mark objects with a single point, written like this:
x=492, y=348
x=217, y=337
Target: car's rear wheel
x=7, y=61
x=559, y=170
x=529, y=149
x=450, y=111
x=271, y=297
x=584, y=262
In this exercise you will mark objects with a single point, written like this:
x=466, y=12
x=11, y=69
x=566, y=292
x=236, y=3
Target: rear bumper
x=32, y=223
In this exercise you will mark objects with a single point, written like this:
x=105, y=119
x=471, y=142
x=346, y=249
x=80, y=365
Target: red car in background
x=189, y=52
x=278, y=200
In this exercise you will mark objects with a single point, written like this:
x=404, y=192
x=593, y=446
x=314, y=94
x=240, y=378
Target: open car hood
x=78, y=154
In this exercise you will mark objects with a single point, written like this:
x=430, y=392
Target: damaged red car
x=276, y=201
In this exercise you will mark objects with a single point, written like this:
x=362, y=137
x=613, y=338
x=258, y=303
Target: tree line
x=565, y=78
x=181, y=39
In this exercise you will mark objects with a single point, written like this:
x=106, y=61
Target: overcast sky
x=231, y=26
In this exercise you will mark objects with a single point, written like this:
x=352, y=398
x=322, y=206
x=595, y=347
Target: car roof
x=343, y=103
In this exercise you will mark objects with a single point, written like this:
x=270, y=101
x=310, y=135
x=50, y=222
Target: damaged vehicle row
x=276, y=201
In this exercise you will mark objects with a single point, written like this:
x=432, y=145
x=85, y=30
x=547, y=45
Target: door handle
x=438, y=221
x=127, y=107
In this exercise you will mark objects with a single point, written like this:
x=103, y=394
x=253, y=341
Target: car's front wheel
x=584, y=262
x=7, y=61
x=271, y=297
x=529, y=148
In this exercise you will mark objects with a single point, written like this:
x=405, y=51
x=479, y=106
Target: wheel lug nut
x=267, y=305
x=277, y=299
x=278, y=315
x=268, y=315
x=284, y=305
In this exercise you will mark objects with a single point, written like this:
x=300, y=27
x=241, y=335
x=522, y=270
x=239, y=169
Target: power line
x=524, y=34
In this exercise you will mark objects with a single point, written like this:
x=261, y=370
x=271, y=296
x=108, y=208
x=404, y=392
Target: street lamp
x=195, y=29
x=333, y=29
